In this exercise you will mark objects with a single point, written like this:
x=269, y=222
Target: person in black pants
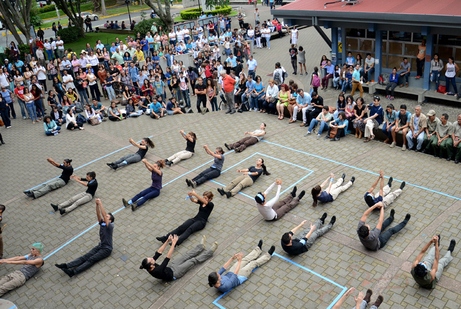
x=196, y=223
x=98, y=253
x=213, y=171
x=317, y=104
x=4, y=110
x=200, y=91
x=340, y=124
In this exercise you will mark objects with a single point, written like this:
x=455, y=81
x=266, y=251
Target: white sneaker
x=392, y=145
x=318, y=136
x=307, y=133
x=404, y=147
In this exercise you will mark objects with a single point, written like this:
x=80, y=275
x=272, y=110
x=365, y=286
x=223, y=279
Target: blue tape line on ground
x=337, y=298
x=361, y=169
x=13, y=307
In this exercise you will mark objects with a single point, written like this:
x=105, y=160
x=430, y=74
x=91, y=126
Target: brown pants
x=356, y=85
x=285, y=205
x=244, y=143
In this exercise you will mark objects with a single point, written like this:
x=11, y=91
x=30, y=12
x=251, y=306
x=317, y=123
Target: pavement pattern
x=432, y=196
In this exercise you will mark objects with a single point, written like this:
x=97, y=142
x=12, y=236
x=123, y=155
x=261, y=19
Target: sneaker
x=125, y=203
x=388, y=97
x=392, y=98
x=260, y=244
x=61, y=266
x=407, y=217
x=69, y=272
x=343, y=176
x=352, y=179
x=188, y=183
x=293, y=192
x=214, y=247
x=162, y=239
x=301, y=195
x=392, y=145
x=221, y=191
x=193, y=184
x=324, y=216
x=302, y=124
x=404, y=147
x=133, y=206
x=227, y=146
x=62, y=211
x=169, y=163
x=271, y=250
x=55, y=207
x=318, y=136
x=402, y=185
x=307, y=133
x=452, y=245
x=392, y=213
x=389, y=182
x=333, y=220
x=228, y=194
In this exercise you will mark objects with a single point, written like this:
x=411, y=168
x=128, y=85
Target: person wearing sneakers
x=401, y=124
x=303, y=101
x=433, y=122
x=324, y=118
x=53, y=184
x=143, y=147
x=196, y=223
x=428, y=271
x=404, y=72
x=333, y=190
x=392, y=84
x=384, y=195
x=98, y=253
x=442, y=137
x=274, y=209
x=361, y=301
x=178, y=267
x=241, y=270
x=418, y=124
x=190, y=138
x=455, y=146
x=375, y=118
x=296, y=246
x=248, y=177
x=252, y=139
x=213, y=171
x=17, y=278
x=153, y=191
x=377, y=238
x=82, y=198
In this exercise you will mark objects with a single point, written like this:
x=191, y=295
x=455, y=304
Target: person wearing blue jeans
x=347, y=83
x=323, y=118
x=451, y=69
x=390, y=117
x=151, y=192
x=404, y=72
x=257, y=94
x=375, y=239
x=436, y=69
x=369, y=67
x=418, y=124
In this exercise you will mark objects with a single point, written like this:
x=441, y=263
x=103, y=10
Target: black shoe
x=227, y=146
x=438, y=241
x=221, y=191
x=324, y=216
x=69, y=272
x=293, y=192
x=407, y=217
x=343, y=176
x=109, y=165
x=125, y=203
x=61, y=266
x=448, y=159
x=327, y=137
x=352, y=179
x=260, y=244
x=188, y=183
x=166, y=161
x=55, y=207
x=114, y=166
x=162, y=239
x=336, y=139
x=233, y=112
x=452, y=245
x=456, y=161
x=169, y=163
x=271, y=250
x=367, y=297
x=402, y=185
x=134, y=206
x=333, y=220
x=240, y=111
x=237, y=149
x=301, y=195
x=228, y=194
x=392, y=213
x=62, y=211
x=389, y=183
x=228, y=112
x=424, y=151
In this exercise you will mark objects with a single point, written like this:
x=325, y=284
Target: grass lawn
x=122, y=9
x=232, y=13
x=106, y=38
x=84, y=7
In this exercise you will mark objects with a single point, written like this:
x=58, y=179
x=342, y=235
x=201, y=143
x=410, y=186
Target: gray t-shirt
x=405, y=66
x=30, y=270
x=372, y=241
x=105, y=235
x=218, y=163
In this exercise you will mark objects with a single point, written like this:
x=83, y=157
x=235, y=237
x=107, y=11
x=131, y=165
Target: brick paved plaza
x=432, y=196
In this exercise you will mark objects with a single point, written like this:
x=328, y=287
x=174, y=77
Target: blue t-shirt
x=375, y=199
x=303, y=100
x=168, y=75
x=155, y=107
x=232, y=61
x=159, y=86
x=133, y=74
x=145, y=47
x=343, y=122
x=376, y=110
x=325, y=197
x=251, y=85
x=259, y=87
x=113, y=49
x=151, y=42
x=229, y=280
x=169, y=106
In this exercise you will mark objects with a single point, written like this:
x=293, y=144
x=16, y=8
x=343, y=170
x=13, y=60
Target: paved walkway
x=432, y=196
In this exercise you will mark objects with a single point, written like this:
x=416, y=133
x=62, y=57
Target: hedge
x=47, y=8
x=194, y=13
x=69, y=34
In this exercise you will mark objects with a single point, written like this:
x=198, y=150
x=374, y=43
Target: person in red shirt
x=19, y=94
x=228, y=86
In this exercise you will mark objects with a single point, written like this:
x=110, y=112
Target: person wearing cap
x=418, y=124
x=455, y=147
x=377, y=238
x=294, y=245
x=440, y=138
x=384, y=195
x=17, y=278
x=241, y=270
x=53, y=184
x=432, y=123
x=427, y=271
x=98, y=253
x=274, y=209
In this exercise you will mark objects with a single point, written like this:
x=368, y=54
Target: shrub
x=46, y=8
x=69, y=34
x=144, y=26
x=194, y=13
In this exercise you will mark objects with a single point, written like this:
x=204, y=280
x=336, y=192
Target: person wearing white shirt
x=60, y=46
x=68, y=81
x=179, y=35
x=53, y=47
x=49, y=50
x=83, y=61
x=71, y=121
x=200, y=32
x=294, y=36
x=93, y=61
x=40, y=72
x=270, y=97
x=303, y=101
x=274, y=209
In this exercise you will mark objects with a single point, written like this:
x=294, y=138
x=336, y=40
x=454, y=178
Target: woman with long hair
x=284, y=97
x=248, y=177
x=143, y=147
x=29, y=101
x=333, y=190
x=211, y=94
x=360, y=113
x=190, y=138
x=71, y=121
x=153, y=191
x=50, y=126
x=36, y=92
x=196, y=223
x=213, y=171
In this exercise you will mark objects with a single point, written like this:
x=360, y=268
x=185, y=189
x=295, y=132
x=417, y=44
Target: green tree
x=211, y=3
x=18, y=17
x=162, y=12
x=72, y=9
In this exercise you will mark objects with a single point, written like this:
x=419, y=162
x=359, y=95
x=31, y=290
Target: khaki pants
x=254, y=259
x=75, y=201
x=182, y=265
x=388, y=196
x=1, y=246
x=356, y=85
x=238, y=184
x=11, y=281
x=182, y=155
x=336, y=188
x=48, y=187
